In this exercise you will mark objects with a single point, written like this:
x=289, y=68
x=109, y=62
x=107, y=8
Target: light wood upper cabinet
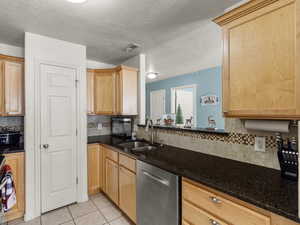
x=127, y=88
x=261, y=73
x=2, y=89
x=95, y=168
x=104, y=92
x=90, y=91
x=112, y=91
x=12, y=87
x=16, y=162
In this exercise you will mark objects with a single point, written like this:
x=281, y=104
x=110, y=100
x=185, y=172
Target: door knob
x=45, y=146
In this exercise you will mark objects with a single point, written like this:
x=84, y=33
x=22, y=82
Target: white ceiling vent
x=131, y=47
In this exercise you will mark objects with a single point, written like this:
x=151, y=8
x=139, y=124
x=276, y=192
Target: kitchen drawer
x=112, y=155
x=127, y=162
x=226, y=210
x=196, y=216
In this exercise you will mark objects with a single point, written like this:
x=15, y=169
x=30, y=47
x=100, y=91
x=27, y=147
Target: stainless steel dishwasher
x=157, y=196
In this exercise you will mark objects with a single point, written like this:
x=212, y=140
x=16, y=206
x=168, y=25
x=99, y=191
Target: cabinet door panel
x=14, y=88
x=16, y=162
x=259, y=70
x=111, y=180
x=104, y=93
x=2, y=89
x=127, y=185
x=90, y=92
x=94, y=169
x=129, y=89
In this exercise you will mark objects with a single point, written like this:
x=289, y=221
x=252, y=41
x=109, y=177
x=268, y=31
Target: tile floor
x=97, y=211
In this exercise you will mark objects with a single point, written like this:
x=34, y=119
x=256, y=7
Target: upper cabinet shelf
x=11, y=86
x=112, y=91
x=261, y=53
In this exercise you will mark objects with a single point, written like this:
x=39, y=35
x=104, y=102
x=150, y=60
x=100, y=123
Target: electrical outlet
x=100, y=126
x=260, y=144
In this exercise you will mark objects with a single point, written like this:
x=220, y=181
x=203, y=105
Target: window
x=185, y=96
x=157, y=104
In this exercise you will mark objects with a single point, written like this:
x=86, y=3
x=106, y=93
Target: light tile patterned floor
x=97, y=211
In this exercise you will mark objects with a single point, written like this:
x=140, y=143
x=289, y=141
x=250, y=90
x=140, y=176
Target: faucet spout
x=150, y=125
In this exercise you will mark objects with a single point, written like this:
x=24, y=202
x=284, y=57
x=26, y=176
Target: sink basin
x=144, y=148
x=134, y=144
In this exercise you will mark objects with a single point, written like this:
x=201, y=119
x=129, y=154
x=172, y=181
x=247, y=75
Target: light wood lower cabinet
x=279, y=220
x=127, y=192
x=204, y=206
x=120, y=181
x=95, y=168
x=194, y=215
x=228, y=210
x=112, y=180
x=16, y=162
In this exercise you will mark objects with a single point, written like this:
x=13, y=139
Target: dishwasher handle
x=158, y=179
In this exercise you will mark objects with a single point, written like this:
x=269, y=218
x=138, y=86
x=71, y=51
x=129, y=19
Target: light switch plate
x=260, y=144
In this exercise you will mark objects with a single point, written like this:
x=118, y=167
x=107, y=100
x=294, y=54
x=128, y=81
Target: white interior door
x=157, y=104
x=58, y=136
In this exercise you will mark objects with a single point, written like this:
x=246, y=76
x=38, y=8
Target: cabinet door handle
x=213, y=222
x=158, y=179
x=215, y=200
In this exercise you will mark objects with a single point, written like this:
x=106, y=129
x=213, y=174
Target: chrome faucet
x=150, y=124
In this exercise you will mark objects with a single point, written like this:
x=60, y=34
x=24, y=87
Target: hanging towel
x=8, y=192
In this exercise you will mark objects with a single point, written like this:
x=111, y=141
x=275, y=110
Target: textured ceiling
x=106, y=27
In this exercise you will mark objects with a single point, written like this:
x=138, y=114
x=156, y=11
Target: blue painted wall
x=208, y=82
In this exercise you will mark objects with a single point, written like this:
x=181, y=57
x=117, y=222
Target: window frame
x=173, y=104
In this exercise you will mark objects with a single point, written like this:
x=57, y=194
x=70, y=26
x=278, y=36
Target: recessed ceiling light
x=77, y=1
x=152, y=75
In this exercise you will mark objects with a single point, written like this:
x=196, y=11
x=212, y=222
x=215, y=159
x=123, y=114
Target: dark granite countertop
x=12, y=148
x=257, y=185
x=193, y=129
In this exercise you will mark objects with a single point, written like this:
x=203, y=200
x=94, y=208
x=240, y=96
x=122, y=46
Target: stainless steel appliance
x=10, y=138
x=157, y=196
x=122, y=126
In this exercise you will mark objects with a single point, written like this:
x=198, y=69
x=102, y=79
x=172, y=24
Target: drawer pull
x=213, y=222
x=215, y=200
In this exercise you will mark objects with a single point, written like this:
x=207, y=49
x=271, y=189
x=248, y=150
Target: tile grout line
x=71, y=214
x=107, y=222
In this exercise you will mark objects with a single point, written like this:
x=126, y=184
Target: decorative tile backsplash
x=12, y=122
x=92, y=125
x=237, y=145
x=232, y=138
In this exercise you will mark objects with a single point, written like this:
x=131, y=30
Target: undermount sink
x=134, y=144
x=137, y=146
x=145, y=148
